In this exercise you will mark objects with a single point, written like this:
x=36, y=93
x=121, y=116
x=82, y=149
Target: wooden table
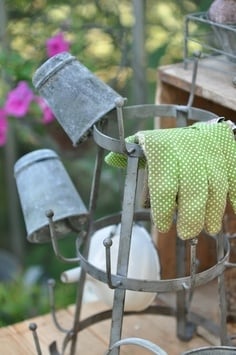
x=214, y=92
x=17, y=339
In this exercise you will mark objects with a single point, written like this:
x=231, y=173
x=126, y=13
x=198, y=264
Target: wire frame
x=213, y=40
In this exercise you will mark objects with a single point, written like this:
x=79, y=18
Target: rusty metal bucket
x=76, y=96
x=43, y=184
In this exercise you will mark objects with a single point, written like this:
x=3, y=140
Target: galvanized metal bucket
x=43, y=184
x=212, y=350
x=76, y=96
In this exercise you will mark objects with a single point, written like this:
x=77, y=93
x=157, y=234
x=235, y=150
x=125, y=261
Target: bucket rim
x=33, y=157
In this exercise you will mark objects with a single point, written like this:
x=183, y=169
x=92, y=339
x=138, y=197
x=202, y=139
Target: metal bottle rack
x=120, y=282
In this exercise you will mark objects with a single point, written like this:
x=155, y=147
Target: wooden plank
x=17, y=339
x=155, y=328
x=212, y=81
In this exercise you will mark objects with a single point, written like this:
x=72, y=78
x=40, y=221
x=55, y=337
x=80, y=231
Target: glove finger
x=232, y=185
x=217, y=195
x=162, y=177
x=117, y=160
x=223, y=141
x=192, y=197
x=193, y=189
x=230, y=159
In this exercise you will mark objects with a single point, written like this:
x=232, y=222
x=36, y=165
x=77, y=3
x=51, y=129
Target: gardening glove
x=177, y=179
x=190, y=171
x=206, y=166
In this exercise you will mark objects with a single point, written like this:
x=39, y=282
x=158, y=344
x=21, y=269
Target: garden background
x=123, y=42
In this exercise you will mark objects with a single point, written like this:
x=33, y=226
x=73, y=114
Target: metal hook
x=49, y=215
x=193, y=270
x=69, y=336
x=51, y=286
x=53, y=350
x=108, y=243
x=33, y=328
x=185, y=286
x=119, y=105
x=144, y=343
x=53, y=346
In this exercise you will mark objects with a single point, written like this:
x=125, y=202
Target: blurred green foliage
x=20, y=301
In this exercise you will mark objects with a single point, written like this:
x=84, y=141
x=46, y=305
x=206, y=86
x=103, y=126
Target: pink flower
x=48, y=115
x=57, y=44
x=3, y=127
x=18, y=100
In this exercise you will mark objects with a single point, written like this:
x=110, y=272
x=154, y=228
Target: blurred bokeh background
x=123, y=42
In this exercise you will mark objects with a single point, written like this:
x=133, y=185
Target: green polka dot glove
x=191, y=171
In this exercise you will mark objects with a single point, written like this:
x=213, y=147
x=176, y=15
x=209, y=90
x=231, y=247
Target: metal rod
x=181, y=295
x=186, y=42
x=197, y=55
x=80, y=285
x=119, y=106
x=33, y=327
x=120, y=121
x=95, y=182
x=73, y=335
x=221, y=291
x=124, y=248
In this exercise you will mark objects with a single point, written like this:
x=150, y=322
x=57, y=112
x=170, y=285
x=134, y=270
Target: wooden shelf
x=213, y=82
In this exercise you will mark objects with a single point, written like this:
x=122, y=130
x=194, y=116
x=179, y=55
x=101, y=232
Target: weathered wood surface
x=213, y=83
x=17, y=339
